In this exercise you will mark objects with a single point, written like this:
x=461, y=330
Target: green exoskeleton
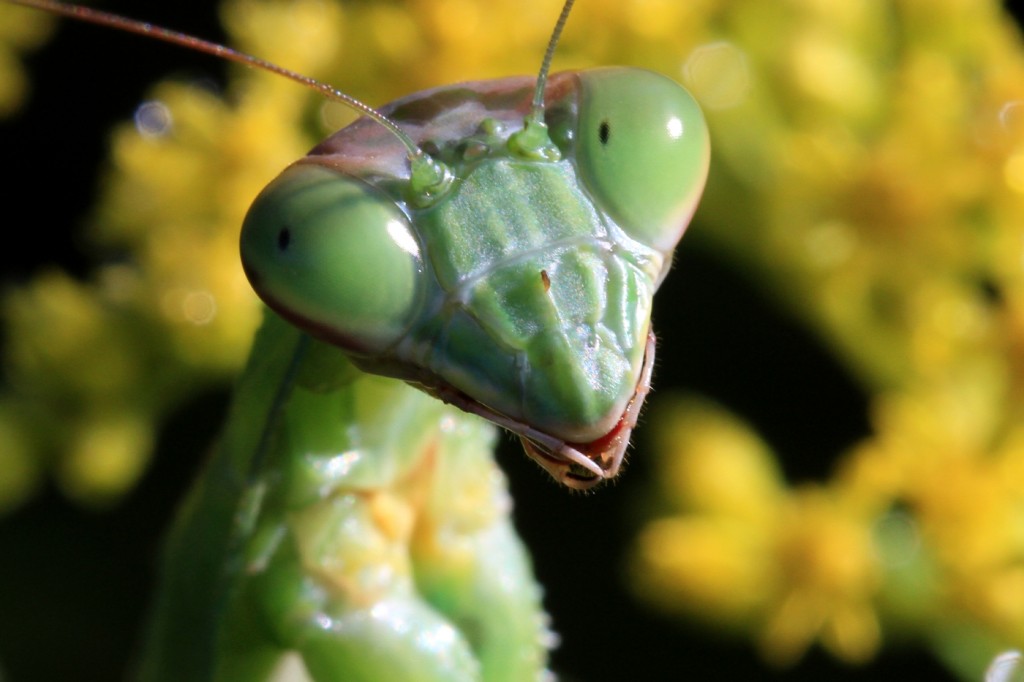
x=496, y=245
x=521, y=288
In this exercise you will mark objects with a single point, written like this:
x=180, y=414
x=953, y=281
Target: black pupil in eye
x=604, y=131
x=284, y=238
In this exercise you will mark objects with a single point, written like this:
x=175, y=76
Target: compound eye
x=335, y=256
x=642, y=151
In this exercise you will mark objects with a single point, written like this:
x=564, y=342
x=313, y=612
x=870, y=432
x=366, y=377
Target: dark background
x=74, y=583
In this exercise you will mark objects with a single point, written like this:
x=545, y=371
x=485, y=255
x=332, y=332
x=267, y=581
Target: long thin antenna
x=533, y=141
x=549, y=54
x=428, y=171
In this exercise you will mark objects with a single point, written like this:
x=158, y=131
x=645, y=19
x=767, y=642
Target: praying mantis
x=495, y=245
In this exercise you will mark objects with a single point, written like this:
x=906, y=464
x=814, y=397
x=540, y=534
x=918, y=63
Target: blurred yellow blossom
x=710, y=560
x=791, y=567
x=94, y=366
x=21, y=31
x=869, y=172
x=962, y=481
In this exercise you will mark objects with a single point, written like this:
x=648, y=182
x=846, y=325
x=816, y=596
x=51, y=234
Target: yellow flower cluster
x=868, y=167
x=21, y=31
x=93, y=366
x=791, y=566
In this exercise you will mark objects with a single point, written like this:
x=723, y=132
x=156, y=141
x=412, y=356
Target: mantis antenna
x=533, y=141
x=537, y=111
x=429, y=176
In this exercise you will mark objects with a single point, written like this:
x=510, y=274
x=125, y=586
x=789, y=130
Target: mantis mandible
x=496, y=245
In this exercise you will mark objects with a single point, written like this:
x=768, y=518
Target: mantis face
x=521, y=292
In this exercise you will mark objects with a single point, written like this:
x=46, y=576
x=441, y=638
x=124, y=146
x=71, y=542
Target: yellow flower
x=828, y=581
x=961, y=476
x=21, y=30
x=707, y=560
x=789, y=568
x=95, y=366
x=869, y=171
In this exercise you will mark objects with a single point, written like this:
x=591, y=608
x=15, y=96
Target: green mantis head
x=523, y=291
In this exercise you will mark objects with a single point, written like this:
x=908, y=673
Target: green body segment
x=362, y=533
x=538, y=275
